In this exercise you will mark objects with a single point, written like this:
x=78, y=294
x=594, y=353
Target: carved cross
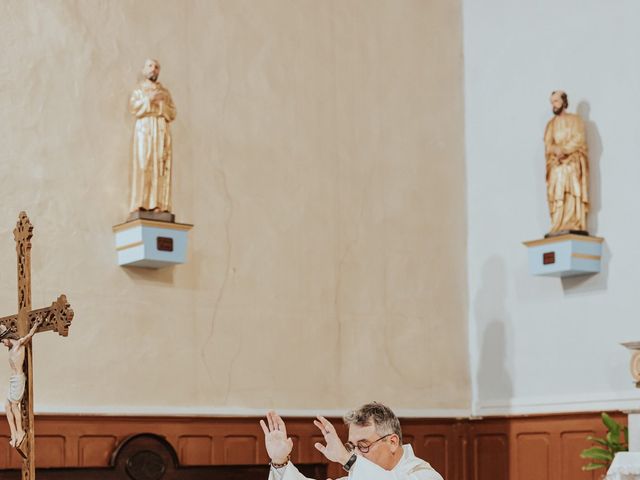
x=57, y=317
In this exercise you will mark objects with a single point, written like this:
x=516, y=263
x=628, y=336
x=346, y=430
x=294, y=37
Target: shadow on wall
x=595, y=153
x=150, y=275
x=493, y=381
x=591, y=283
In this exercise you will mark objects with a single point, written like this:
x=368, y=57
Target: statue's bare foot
x=12, y=442
x=20, y=438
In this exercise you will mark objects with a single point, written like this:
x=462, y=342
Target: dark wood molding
x=538, y=447
x=148, y=456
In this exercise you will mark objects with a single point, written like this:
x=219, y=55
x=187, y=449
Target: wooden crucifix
x=13, y=328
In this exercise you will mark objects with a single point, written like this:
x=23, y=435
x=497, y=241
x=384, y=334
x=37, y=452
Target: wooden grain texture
x=517, y=448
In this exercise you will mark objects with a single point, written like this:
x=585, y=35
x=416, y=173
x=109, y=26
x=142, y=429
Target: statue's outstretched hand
x=278, y=445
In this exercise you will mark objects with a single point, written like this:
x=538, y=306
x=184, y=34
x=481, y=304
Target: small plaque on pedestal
x=151, y=243
x=565, y=255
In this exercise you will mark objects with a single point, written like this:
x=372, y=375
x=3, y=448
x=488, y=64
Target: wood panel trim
x=461, y=449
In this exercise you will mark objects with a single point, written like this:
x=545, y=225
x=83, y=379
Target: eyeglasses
x=363, y=446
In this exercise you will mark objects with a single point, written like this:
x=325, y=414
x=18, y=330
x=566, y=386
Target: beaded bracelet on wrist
x=280, y=465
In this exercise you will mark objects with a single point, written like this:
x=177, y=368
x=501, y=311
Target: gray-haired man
x=374, y=450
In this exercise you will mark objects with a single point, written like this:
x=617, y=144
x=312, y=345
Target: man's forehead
x=358, y=432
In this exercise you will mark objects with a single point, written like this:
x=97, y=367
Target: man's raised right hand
x=278, y=445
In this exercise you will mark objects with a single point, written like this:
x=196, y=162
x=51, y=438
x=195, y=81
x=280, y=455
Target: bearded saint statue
x=567, y=169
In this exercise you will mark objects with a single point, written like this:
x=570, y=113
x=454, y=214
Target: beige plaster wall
x=319, y=153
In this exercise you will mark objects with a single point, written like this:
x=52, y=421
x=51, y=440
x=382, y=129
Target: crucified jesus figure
x=17, y=381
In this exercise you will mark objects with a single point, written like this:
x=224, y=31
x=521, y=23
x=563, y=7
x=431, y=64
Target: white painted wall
x=545, y=344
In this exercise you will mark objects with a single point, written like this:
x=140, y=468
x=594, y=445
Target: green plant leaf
x=597, y=453
x=598, y=440
x=602, y=455
x=610, y=423
x=613, y=438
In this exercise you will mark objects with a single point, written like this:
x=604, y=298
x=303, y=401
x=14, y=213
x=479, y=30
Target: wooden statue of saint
x=567, y=169
x=153, y=109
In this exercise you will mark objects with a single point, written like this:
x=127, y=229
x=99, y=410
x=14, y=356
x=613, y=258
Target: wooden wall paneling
x=535, y=445
x=15, y=460
x=296, y=453
x=461, y=449
x=436, y=448
x=453, y=452
x=435, y=441
x=72, y=449
x=491, y=456
x=406, y=439
x=240, y=450
x=572, y=443
x=5, y=452
x=531, y=456
x=567, y=434
x=489, y=443
x=95, y=450
x=9, y=457
x=195, y=449
x=217, y=449
x=50, y=451
x=461, y=452
x=313, y=453
x=303, y=448
x=150, y=456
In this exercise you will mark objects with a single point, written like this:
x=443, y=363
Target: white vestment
x=409, y=467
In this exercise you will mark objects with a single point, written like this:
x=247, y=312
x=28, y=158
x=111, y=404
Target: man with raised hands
x=374, y=450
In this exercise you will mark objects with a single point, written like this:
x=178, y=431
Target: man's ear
x=394, y=441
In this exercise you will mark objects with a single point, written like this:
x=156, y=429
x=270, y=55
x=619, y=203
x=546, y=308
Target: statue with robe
x=153, y=109
x=567, y=167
